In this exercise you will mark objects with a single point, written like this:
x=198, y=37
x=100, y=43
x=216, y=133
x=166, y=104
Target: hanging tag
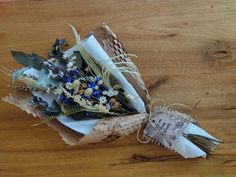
x=165, y=126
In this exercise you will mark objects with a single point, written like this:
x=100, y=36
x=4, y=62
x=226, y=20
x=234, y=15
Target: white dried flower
x=76, y=84
x=70, y=64
x=104, y=92
x=73, y=57
x=57, y=91
x=100, y=82
x=96, y=87
x=130, y=97
x=111, y=93
x=101, y=108
x=115, y=92
x=102, y=99
x=69, y=85
x=87, y=69
x=48, y=90
x=77, y=97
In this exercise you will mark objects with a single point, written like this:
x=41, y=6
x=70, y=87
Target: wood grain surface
x=187, y=52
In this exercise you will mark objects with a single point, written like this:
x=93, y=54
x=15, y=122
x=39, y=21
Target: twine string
x=150, y=117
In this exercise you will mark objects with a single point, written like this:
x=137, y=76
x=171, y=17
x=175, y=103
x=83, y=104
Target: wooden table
x=186, y=52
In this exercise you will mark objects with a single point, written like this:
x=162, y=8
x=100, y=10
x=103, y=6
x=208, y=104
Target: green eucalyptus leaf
x=79, y=59
x=28, y=60
x=38, y=62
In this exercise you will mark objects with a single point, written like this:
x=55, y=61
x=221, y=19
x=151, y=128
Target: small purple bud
x=62, y=41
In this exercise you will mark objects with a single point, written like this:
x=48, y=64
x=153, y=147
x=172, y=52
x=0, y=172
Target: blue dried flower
x=90, y=85
x=62, y=98
x=74, y=72
x=88, y=97
x=66, y=100
x=69, y=79
x=96, y=93
x=98, y=79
